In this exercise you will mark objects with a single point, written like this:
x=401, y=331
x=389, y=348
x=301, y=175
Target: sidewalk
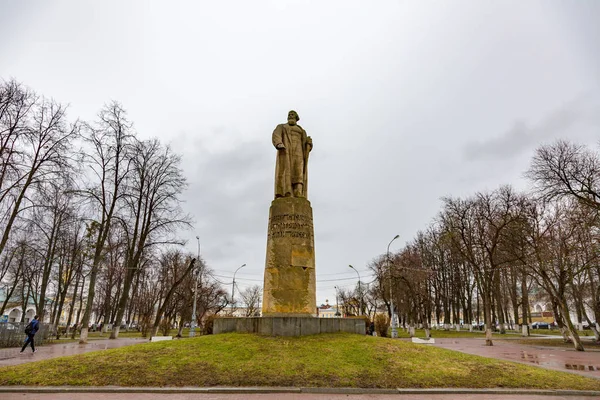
x=12, y=355
x=585, y=363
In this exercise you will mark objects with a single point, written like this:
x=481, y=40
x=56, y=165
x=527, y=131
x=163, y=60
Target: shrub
x=382, y=324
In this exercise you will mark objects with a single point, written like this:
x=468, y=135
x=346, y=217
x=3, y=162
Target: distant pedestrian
x=30, y=330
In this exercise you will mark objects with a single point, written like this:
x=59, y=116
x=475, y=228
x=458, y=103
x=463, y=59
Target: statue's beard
x=291, y=121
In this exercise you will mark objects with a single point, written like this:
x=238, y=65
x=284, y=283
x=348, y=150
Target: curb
x=312, y=390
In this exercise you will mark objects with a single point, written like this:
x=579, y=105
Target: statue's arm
x=307, y=140
x=278, y=137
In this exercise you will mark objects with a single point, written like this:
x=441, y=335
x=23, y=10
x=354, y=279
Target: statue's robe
x=291, y=166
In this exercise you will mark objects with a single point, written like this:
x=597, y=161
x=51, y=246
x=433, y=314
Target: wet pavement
x=585, y=363
x=12, y=356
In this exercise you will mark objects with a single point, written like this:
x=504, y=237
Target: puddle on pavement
x=535, y=359
x=579, y=367
x=532, y=358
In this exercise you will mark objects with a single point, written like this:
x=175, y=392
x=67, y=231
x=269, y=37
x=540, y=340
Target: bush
x=382, y=324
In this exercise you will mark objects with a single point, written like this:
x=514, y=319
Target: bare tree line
x=485, y=257
x=89, y=216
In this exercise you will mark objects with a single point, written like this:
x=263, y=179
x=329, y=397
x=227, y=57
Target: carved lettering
x=291, y=225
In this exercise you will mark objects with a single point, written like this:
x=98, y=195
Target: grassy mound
x=333, y=360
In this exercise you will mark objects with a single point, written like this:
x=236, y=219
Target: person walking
x=30, y=331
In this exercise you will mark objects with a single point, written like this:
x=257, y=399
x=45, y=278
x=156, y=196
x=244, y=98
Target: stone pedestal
x=290, y=284
x=288, y=326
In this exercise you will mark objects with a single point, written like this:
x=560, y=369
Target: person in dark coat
x=31, y=330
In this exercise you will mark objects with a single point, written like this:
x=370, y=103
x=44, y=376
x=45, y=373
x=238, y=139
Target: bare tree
x=564, y=169
x=108, y=162
x=478, y=228
x=35, y=146
x=251, y=296
x=175, y=268
x=555, y=257
x=152, y=209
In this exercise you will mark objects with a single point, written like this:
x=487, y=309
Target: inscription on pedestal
x=290, y=225
x=289, y=286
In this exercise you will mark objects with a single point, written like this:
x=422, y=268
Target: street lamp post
x=360, y=302
x=394, y=322
x=193, y=323
x=337, y=304
x=233, y=286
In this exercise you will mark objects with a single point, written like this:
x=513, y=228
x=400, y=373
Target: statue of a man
x=293, y=146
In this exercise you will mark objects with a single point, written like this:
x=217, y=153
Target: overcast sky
x=406, y=102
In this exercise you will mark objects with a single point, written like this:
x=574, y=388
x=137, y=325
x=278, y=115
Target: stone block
x=329, y=325
x=423, y=341
x=246, y=325
x=288, y=326
x=290, y=282
x=224, y=325
x=347, y=325
x=360, y=327
x=309, y=326
x=265, y=326
x=160, y=338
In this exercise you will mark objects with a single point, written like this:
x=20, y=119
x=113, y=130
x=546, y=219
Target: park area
x=328, y=360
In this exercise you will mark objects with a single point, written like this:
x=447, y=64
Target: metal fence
x=12, y=334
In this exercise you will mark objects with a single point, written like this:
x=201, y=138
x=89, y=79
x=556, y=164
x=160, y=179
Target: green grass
x=329, y=360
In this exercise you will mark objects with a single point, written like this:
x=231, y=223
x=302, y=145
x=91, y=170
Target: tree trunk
x=524, y=305
x=79, y=311
x=48, y=260
x=25, y=301
x=123, y=301
x=498, y=295
x=72, y=306
x=487, y=315
x=569, y=326
x=83, y=336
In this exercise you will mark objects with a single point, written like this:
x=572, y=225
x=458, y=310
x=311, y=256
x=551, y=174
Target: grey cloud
x=229, y=193
x=391, y=92
x=567, y=121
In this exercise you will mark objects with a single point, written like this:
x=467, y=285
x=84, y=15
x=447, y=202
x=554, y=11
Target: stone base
x=290, y=283
x=289, y=326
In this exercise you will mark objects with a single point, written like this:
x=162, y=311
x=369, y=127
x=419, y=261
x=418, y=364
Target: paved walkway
x=12, y=356
x=585, y=363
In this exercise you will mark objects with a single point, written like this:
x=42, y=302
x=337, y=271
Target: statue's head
x=293, y=117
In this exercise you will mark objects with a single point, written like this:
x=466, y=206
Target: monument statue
x=293, y=147
x=290, y=283
x=289, y=303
